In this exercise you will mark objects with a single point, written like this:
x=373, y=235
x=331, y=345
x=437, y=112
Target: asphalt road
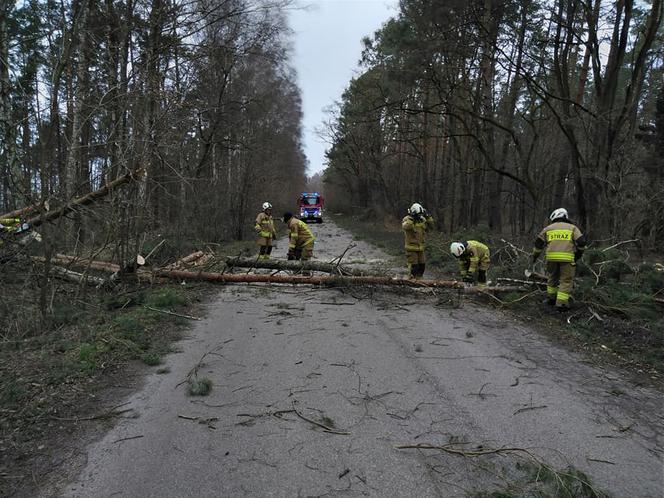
x=380, y=369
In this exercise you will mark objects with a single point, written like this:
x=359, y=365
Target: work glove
x=291, y=254
x=469, y=278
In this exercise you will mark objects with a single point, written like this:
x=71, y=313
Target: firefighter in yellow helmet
x=564, y=245
x=300, y=238
x=414, y=225
x=474, y=259
x=265, y=229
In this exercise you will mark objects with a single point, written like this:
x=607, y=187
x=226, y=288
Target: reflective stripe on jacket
x=299, y=234
x=562, y=239
x=414, y=230
x=265, y=225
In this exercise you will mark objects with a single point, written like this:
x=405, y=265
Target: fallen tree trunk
x=73, y=276
x=518, y=281
x=85, y=200
x=275, y=264
x=331, y=281
x=21, y=213
x=63, y=259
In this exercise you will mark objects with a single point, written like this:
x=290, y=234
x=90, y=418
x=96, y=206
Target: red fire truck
x=311, y=206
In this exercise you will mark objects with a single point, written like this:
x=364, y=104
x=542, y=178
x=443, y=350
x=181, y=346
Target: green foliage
x=151, y=359
x=65, y=313
x=88, y=356
x=125, y=301
x=199, y=387
x=542, y=481
x=129, y=325
x=166, y=298
x=12, y=392
x=650, y=278
x=625, y=299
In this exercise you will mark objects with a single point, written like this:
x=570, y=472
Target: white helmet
x=457, y=249
x=266, y=206
x=559, y=213
x=416, y=209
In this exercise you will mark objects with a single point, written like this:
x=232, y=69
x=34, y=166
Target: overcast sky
x=327, y=47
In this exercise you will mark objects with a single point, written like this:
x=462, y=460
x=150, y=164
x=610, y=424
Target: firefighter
x=300, y=238
x=564, y=245
x=474, y=259
x=265, y=229
x=414, y=225
x=9, y=226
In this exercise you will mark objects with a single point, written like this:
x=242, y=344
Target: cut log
x=187, y=259
x=73, y=276
x=63, y=259
x=39, y=219
x=276, y=264
x=330, y=281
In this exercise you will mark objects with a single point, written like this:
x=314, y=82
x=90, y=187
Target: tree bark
x=328, y=281
x=274, y=264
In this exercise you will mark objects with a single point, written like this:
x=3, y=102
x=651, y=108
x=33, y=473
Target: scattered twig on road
x=127, y=438
x=203, y=421
x=345, y=472
x=172, y=313
x=193, y=373
x=480, y=394
x=521, y=410
x=600, y=460
x=481, y=451
x=322, y=426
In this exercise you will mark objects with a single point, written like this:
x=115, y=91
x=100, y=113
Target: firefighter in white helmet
x=266, y=232
x=474, y=259
x=414, y=225
x=564, y=245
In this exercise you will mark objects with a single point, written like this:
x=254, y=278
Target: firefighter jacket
x=265, y=225
x=299, y=234
x=9, y=224
x=476, y=254
x=563, y=241
x=414, y=230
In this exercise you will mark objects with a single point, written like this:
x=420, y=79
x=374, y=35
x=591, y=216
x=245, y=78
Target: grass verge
x=57, y=371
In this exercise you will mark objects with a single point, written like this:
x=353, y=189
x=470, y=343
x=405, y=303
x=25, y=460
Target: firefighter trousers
x=560, y=283
x=416, y=263
x=264, y=247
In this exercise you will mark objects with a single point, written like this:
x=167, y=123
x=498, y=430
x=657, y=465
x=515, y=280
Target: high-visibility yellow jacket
x=299, y=234
x=10, y=224
x=476, y=254
x=414, y=230
x=265, y=225
x=562, y=240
